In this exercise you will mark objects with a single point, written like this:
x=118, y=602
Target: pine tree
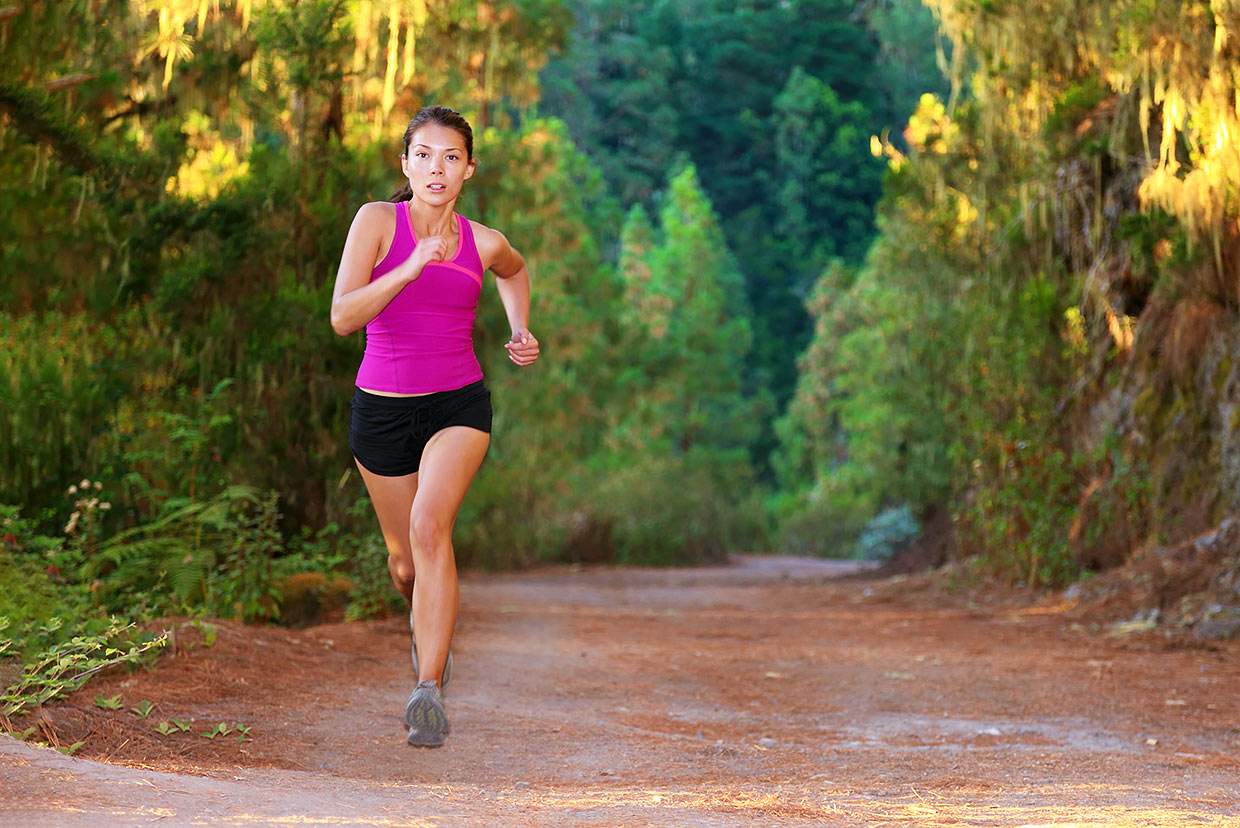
x=679, y=477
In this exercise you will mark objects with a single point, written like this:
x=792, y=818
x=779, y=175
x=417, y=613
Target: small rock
x=767, y=742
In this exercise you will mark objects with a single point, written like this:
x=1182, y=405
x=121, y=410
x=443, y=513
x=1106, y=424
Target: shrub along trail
x=768, y=693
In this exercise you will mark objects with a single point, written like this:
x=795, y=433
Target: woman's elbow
x=339, y=325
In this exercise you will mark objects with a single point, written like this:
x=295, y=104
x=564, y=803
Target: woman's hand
x=522, y=348
x=429, y=249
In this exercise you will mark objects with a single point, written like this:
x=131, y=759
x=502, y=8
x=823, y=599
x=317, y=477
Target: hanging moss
x=1222, y=373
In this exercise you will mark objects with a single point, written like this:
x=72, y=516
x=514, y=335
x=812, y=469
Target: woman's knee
x=429, y=533
x=401, y=568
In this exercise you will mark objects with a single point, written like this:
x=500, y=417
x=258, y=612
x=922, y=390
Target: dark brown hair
x=443, y=116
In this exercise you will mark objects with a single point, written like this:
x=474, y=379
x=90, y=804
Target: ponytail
x=403, y=193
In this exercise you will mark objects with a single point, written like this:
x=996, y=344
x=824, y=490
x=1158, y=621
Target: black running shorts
x=387, y=434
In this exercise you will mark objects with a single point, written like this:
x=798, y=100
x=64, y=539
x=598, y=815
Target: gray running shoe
x=447, y=667
x=425, y=715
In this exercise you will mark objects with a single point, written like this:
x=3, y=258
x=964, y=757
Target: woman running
x=411, y=273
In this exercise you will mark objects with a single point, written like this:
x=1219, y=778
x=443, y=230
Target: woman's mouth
x=435, y=188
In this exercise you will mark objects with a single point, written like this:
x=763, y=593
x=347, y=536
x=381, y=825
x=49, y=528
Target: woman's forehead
x=437, y=136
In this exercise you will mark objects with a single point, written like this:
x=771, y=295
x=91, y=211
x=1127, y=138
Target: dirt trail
x=767, y=693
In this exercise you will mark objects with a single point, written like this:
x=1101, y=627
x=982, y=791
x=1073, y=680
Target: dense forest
x=818, y=277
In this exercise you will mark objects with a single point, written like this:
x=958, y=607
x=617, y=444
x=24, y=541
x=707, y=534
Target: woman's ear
x=473, y=165
x=404, y=164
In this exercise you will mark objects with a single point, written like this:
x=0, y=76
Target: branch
x=70, y=80
x=33, y=114
x=137, y=108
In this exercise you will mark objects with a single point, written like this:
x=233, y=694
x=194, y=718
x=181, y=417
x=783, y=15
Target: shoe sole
x=427, y=723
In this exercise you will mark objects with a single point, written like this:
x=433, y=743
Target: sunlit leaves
x=169, y=41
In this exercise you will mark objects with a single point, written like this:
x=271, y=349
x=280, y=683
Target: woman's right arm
x=356, y=300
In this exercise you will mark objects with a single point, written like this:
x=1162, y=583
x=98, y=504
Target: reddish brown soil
x=762, y=694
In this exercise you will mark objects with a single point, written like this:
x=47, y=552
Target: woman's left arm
x=513, y=283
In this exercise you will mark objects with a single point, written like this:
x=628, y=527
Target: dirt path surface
x=768, y=693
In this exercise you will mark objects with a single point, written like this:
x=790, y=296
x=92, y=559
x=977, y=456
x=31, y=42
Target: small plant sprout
x=220, y=729
x=113, y=703
x=143, y=709
x=208, y=632
x=244, y=731
x=69, y=750
x=181, y=725
x=164, y=728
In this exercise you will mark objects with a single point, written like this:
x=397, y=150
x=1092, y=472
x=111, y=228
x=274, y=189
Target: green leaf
x=142, y=710
x=113, y=703
x=220, y=729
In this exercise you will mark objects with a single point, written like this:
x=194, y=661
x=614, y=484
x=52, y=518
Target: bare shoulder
x=378, y=214
x=494, y=250
x=492, y=244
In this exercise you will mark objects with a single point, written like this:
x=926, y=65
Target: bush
x=888, y=533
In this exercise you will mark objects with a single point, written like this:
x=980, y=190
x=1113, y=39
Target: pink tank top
x=423, y=341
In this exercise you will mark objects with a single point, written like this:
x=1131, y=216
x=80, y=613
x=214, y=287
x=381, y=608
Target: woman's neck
x=432, y=220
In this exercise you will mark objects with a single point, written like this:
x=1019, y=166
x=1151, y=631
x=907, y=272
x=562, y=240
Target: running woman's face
x=436, y=164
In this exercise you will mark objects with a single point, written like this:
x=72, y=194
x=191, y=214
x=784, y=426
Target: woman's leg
x=393, y=498
x=449, y=462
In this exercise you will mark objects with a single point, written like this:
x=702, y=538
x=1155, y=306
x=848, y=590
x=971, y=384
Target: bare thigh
x=449, y=462
x=393, y=498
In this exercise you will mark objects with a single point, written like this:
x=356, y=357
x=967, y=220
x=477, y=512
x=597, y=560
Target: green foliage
x=65, y=665
x=113, y=703
x=887, y=533
x=31, y=594
x=372, y=594
x=59, y=380
x=670, y=507
x=550, y=416
x=1033, y=285
x=242, y=586
x=678, y=476
x=774, y=104
x=169, y=727
x=178, y=190
x=906, y=66
x=221, y=729
x=183, y=547
x=928, y=367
